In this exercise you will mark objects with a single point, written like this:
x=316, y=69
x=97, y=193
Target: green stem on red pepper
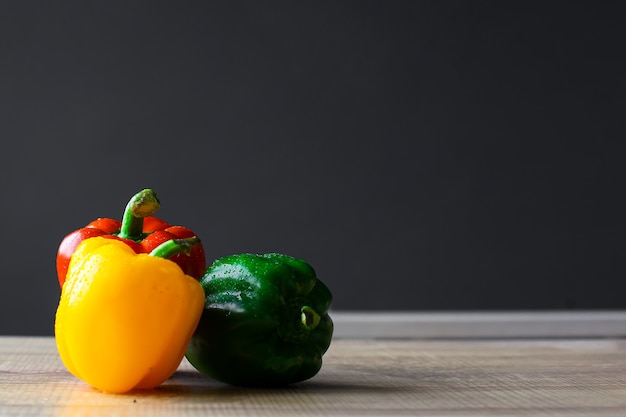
x=174, y=247
x=144, y=203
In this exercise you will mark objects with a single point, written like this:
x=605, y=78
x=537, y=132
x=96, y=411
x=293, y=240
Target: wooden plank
x=501, y=324
x=359, y=378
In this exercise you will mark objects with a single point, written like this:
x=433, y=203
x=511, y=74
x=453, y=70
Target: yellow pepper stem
x=174, y=247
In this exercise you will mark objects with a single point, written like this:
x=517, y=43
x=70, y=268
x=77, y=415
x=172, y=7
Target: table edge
x=479, y=324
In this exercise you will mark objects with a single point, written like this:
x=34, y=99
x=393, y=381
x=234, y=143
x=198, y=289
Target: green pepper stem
x=309, y=317
x=144, y=203
x=298, y=321
x=174, y=247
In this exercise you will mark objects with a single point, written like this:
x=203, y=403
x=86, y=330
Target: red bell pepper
x=139, y=230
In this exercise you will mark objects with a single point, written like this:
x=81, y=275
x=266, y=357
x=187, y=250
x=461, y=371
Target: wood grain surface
x=553, y=377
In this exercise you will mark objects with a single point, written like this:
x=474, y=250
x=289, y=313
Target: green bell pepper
x=265, y=321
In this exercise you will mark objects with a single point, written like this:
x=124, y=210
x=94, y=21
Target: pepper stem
x=298, y=321
x=144, y=203
x=309, y=317
x=174, y=247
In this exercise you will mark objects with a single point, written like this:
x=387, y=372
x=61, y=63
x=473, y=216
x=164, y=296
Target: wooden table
x=360, y=377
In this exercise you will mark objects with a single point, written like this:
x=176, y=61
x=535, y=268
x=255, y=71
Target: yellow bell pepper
x=124, y=320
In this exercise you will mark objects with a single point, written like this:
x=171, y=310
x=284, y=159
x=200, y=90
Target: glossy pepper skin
x=139, y=230
x=124, y=319
x=265, y=321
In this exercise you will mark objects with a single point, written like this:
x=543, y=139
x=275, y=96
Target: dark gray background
x=420, y=155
